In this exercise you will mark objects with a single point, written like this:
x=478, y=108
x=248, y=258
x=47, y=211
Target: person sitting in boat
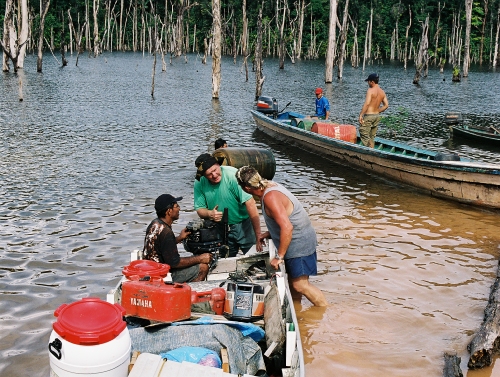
x=220, y=143
x=290, y=229
x=215, y=189
x=160, y=243
x=322, y=105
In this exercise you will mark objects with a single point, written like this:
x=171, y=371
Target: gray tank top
x=303, y=236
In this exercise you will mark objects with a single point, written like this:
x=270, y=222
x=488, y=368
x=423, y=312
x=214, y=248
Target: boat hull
x=463, y=181
x=475, y=134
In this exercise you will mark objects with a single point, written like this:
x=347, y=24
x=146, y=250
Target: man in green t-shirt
x=215, y=189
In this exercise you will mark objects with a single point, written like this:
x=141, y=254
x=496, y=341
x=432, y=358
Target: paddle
x=496, y=130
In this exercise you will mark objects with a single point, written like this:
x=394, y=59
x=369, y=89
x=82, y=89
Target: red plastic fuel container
x=216, y=297
x=156, y=300
x=346, y=132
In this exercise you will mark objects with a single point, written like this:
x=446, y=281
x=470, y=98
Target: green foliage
x=395, y=123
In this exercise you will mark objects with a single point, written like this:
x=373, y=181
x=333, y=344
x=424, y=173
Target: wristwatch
x=278, y=257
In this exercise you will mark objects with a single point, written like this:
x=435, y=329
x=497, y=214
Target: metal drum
x=259, y=158
x=244, y=302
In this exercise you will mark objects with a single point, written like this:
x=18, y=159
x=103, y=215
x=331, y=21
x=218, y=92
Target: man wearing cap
x=369, y=117
x=160, y=243
x=322, y=105
x=220, y=143
x=216, y=189
x=290, y=229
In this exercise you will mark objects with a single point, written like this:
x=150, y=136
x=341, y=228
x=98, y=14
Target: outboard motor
x=453, y=118
x=268, y=106
x=204, y=237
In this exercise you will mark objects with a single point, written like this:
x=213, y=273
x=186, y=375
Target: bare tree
x=468, y=19
x=343, y=39
x=244, y=39
x=14, y=48
x=422, y=60
x=332, y=43
x=216, y=55
x=259, y=78
x=44, y=8
x=495, y=54
x=406, y=38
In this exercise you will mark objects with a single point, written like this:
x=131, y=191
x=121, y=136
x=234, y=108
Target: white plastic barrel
x=89, y=338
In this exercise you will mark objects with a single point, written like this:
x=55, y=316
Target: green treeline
x=376, y=30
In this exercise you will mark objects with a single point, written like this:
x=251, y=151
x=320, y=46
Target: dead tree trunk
x=495, y=54
x=455, y=45
x=481, y=45
x=343, y=40
x=14, y=48
x=332, y=43
x=354, y=52
x=216, y=55
x=244, y=39
x=301, y=9
x=422, y=60
x=452, y=366
x=259, y=79
x=468, y=20
x=436, y=35
x=486, y=342
x=281, y=27
x=406, y=38
x=78, y=36
x=43, y=12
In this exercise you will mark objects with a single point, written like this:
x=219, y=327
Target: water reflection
x=87, y=151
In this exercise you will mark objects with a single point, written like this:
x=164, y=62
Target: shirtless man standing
x=369, y=117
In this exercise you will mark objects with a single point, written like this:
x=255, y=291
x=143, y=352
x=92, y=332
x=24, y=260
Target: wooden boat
x=438, y=174
x=281, y=350
x=489, y=134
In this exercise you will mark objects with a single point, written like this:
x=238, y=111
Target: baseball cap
x=318, y=91
x=204, y=162
x=372, y=77
x=164, y=200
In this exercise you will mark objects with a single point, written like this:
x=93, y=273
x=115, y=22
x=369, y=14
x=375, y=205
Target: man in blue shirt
x=322, y=105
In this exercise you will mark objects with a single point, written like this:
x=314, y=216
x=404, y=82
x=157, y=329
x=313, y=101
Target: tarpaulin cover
x=245, y=355
x=247, y=329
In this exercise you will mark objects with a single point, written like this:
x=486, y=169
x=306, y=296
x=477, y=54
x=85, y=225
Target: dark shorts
x=300, y=266
x=184, y=275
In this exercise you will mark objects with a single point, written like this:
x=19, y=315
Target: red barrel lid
x=89, y=321
x=143, y=268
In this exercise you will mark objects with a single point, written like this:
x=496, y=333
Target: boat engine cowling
x=453, y=118
x=267, y=105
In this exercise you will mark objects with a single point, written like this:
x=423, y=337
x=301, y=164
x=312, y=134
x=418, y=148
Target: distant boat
x=487, y=134
x=443, y=175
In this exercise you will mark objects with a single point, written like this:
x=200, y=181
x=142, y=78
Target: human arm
x=210, y=214
x=385, y=104
x=278, y=207
x=364, y=109
x=182, y=236
x=195, y=259
x=253, y=213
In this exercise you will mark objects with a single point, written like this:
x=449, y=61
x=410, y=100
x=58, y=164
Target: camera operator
x=160, y=243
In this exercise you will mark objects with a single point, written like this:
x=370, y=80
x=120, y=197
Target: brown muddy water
x=83, y=157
